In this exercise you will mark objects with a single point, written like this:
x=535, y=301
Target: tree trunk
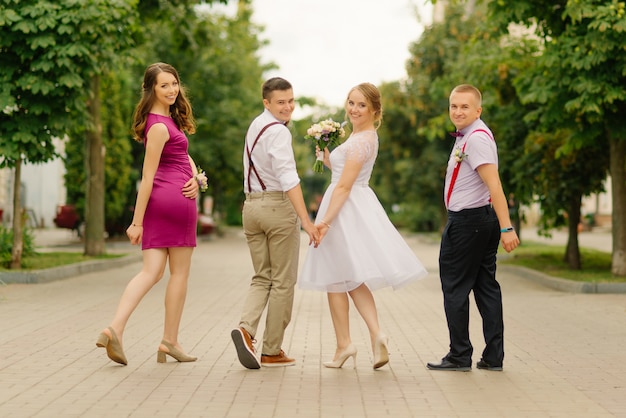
x=572, y=251
x=618, y=188
x=18, y=239
x=94, y=196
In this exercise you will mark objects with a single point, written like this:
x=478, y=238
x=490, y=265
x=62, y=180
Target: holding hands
x=322, y=228
x=313, y=232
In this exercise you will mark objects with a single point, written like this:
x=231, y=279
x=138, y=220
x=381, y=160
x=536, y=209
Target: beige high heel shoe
x=174, y=353
x=349, y=351
x=381, y=352
x=113, y=346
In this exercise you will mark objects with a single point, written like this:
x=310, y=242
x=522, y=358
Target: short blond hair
x=468, y=88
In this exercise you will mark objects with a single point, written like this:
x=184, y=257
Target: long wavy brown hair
x=180, y=111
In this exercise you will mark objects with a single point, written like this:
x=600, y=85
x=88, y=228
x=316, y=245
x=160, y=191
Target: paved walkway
x=564, y=351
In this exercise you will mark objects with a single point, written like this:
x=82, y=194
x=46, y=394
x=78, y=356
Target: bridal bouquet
x=323, y=134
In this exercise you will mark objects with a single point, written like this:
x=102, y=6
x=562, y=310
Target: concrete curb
x=563, y=285
x=64, y=272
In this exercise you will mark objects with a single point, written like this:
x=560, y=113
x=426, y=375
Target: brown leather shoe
x=279, y=360
x=245, y=348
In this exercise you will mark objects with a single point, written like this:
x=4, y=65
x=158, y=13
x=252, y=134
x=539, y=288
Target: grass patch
x=41, y=261
x=548, y=259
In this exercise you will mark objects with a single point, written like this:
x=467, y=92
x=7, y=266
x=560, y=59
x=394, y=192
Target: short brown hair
x=274, y=84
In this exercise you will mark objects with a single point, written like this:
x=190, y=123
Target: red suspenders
x=457, y=166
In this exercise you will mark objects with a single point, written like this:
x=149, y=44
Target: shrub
x=6, y=245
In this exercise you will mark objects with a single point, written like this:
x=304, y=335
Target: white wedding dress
x=362, y=246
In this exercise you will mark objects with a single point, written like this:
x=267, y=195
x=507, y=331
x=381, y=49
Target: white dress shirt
x=272, y=156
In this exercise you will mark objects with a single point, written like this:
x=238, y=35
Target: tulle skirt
x=362, y=246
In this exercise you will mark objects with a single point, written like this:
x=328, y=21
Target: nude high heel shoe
x=381, y=353
x=174, y=353
x=349, y=351
x=113, y=346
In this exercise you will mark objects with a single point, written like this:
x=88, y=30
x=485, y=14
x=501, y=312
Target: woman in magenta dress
x=165, y=216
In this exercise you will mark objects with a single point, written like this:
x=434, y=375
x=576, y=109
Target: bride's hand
x=323, y=230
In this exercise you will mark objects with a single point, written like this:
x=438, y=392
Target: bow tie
x=456, y=134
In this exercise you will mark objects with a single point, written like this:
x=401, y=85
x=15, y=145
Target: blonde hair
x=468, y=88
x=372, y=96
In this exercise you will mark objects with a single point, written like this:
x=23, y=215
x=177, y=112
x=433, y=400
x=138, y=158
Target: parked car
x=206, y=224
x=67, y=217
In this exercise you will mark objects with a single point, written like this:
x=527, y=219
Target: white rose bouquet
x=323, y=134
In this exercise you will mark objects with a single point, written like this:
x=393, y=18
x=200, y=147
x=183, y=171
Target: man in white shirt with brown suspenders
x=273, y=212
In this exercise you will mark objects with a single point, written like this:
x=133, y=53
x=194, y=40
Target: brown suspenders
x=250, y=163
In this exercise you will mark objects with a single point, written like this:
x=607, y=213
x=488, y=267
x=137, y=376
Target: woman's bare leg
x=366, y=306
x=339, y=311
x=154, y=261
x=176, y=293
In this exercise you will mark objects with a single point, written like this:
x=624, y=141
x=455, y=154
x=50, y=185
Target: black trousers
x=467, y=262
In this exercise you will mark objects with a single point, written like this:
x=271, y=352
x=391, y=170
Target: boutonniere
x=459, y=155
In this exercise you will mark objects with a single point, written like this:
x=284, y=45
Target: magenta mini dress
x=171, y=218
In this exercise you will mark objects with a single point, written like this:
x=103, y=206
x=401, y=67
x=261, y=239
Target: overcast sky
x=325, y=47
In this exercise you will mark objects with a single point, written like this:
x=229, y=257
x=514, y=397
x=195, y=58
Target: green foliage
x=580, y=77
x=6, y=245
x=48, y=50
x=216, y=57
x=415, y=144
x=120, y=175
x=558, y=179
x=578, y=83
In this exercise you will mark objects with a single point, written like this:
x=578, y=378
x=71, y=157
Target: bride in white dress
x=360, y=250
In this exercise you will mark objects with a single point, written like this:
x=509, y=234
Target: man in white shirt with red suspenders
x=273, y=212
x=478, y=219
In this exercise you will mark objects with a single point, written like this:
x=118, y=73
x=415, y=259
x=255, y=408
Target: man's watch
x=509, y=229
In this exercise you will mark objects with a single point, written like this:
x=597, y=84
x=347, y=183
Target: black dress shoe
x=486, y=366
x=449, y=366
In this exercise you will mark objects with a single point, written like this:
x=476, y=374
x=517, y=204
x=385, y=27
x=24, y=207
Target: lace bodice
x=363, y=246
x=361, y=147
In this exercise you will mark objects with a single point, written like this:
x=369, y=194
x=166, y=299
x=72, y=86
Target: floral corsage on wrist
x=202, y=180
x=323, y=134
x=459, y=155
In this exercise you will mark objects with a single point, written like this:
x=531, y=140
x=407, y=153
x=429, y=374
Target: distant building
x=43, y=189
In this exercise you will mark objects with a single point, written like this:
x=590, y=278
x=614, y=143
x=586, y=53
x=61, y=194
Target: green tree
x=560, y=180
x=120, y=176
x=50, y=53
x=578, y=82
x=414, y=143
x=114, y=172
x=218, y=63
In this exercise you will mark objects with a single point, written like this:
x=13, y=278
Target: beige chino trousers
x=272, y=230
